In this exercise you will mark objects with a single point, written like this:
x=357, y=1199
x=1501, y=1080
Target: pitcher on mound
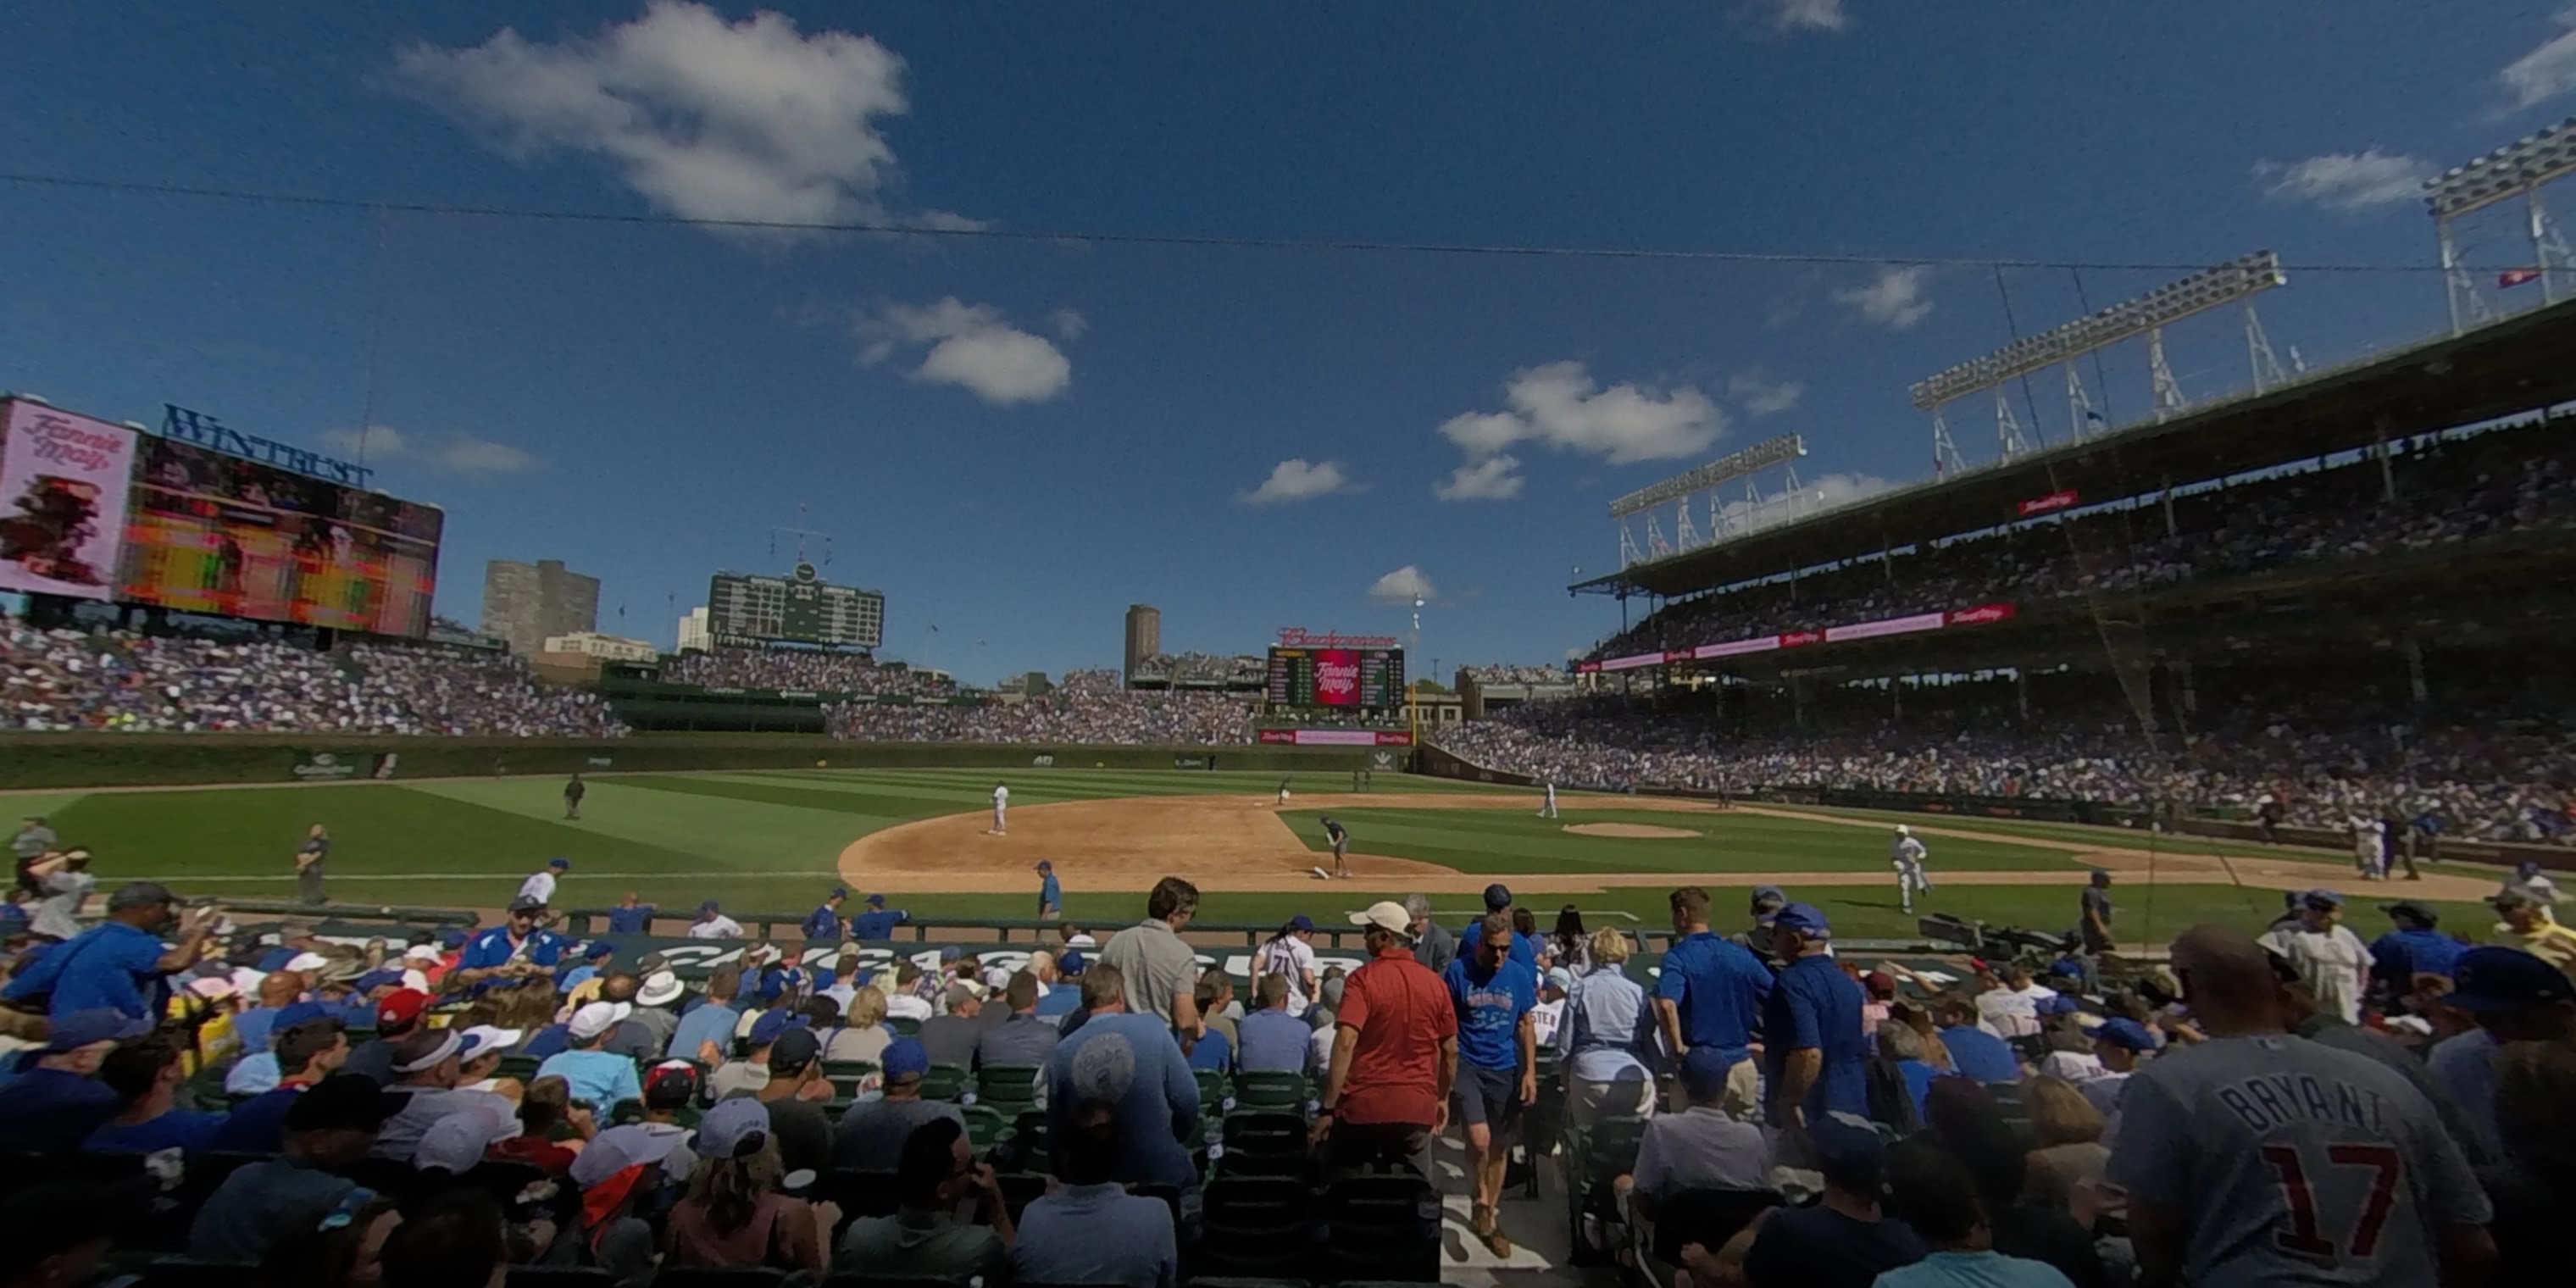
x=1907, y=855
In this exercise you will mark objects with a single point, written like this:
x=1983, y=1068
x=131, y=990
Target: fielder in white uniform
x=1001, y=810
x=1907, y=854
x=1548, y=810
x=540, y=885
x=2369, y=857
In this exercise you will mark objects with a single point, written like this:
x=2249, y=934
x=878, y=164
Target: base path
x=1240, y=844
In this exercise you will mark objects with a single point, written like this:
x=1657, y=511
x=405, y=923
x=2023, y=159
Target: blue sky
x=1017, y=438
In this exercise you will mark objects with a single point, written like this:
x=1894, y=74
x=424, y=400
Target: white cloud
x=2346, y=180
x=1894, y=299
x=970, y=345
x=2548, y=71
x=1069, y=324
x=1808, y=15
x=1765, y=397
x=1491, y=479
x=457, y=453
x=1403, y=586
x=1298, y=479
x=1816, y=496
x=750, y=120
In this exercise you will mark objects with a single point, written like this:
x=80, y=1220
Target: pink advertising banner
x=63, y=483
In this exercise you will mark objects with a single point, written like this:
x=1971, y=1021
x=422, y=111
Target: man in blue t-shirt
x=630, y=917
x=878, y=923
x=522, y=948
x=1811, y=1029
x=1497, y=1042
x=1976, y=1054
x=823, y=925
x=2411, y=948
x=1050, y=895
x=58, y=1101
x=1498, y=899
x=1709, y=991
x=120, y=964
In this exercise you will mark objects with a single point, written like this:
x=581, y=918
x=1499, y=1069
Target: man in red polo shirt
x=1395, y=1053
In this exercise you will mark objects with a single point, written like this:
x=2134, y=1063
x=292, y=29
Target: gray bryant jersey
x=2292, y=1163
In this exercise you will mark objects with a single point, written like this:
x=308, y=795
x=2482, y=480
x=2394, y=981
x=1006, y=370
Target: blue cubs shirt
x=1490, y=1007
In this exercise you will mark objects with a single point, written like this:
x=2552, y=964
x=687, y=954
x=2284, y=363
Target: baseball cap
x=1849, y=1150
x=457, y=1141
x=432, y=1053
x=599, y=950
x=483, y=1038
x=2128, y=1035
x=401, y=1007
x=559, y=863
x=86, y=1028
x=2321, y=899
x=1070, y=964
x=454, y=939
x=1301, y=922
x=1560, y=979
x=139, y=894
x=1704, y=1071
x=527, y=903
x=904, y=1058
x=876, y=901
x=709, y=906
x=2496, y=978
x=671, y=1084
x=1498, y=897
x=840, y=892
x=1046, y=865
x=959, y=994
x=766, y=1029
x=1804, y=919
x=661, y=988
x=1768, y=899
x=344, y=1102
x=1385, y=915
x=2410, y=908
x=597, y=1018
x=795, y=1048
x=307, y=961
x=1879, y=983
x=733, y=1129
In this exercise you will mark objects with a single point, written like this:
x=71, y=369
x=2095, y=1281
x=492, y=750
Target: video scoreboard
x=800, y=608
x=1337, y=677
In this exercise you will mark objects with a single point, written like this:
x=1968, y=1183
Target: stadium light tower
x=2517, y=169
x=1723, y=520
x=2237, y=281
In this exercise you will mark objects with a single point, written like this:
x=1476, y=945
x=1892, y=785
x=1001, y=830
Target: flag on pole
x=2512, y=277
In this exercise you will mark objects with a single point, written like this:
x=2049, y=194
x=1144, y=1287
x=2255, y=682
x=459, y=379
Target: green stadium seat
x=1263, y=1143
x=1279, y=1092
x=985, y=1126
x=1255, y=1225
x=1008, y=1087
x=944, y=1082
x=904, y=1025
x=1214, y=1087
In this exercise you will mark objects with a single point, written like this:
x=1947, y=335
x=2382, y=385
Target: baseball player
x=1283, y=791
x=2367, y=856
x=1548, y=810
x=1907, y=854
x=1341, y=846
x=1001, y=810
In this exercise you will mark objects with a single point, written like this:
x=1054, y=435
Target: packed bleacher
x=2449, y=489
x=125, y=682
x=1068, y=715
x=802, y=670
x=203, y=1104
x=1203, y=670
x=1521, y=674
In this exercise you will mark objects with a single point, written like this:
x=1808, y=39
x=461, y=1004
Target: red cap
x=402, y=1006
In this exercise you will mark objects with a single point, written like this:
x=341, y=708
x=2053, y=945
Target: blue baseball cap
x=1704, y=1070
x=708, y=906
x=599, y=950
x=560, y=864
x=904, y=1058
x=455, y=938
x=766, y=1029
x=1804, y=919
x=840, y=892
x=294, y=1013
x=1301, y=922
x=1498, y=897
x=84, y=1028
x=1070, y=963
x=1046, y=865
x=876, y=901
x=2128, y=1035
x=2496, y=978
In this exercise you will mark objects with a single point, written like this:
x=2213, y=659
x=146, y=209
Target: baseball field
x=776, y=841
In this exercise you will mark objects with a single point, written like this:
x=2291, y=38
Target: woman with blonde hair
x=733, y=1214
x=2067, y=1155
x=863, y=1034
x=1605, y=1017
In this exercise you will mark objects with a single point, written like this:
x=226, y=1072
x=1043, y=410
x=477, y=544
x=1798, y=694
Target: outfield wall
x=75, y=760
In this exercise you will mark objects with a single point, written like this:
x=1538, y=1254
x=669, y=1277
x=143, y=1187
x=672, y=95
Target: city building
x=525, y=604
x=1144, y=636
x=613, y=648
x=694, y=637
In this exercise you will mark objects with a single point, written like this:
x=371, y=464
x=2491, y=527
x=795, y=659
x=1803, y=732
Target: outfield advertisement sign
x=64, y=479
x=1339, y=737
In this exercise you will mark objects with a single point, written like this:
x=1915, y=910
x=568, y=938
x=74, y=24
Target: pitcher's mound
x=1632, y=831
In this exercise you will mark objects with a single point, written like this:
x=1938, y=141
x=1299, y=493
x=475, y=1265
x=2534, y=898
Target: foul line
x=1479, y=912
x=187, y=878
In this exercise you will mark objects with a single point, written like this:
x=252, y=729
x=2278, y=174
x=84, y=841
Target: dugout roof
x=2522, y=363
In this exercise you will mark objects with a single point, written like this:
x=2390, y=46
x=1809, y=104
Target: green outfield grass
x=769, y=841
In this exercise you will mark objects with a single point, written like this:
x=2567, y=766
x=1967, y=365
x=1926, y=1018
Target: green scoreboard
x=799, y=608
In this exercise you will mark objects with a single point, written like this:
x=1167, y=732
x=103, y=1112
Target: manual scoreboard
x=800, y=608
x=1337, y=677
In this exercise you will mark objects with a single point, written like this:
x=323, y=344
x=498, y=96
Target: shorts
x=1489, y=1096
x=1359, y=1147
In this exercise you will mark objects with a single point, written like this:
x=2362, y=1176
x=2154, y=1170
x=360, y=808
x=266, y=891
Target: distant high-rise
x=693, y=631
x=525, y=604
x=1144, y=635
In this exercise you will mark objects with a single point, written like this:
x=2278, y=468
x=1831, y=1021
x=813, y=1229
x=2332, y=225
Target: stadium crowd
x=2448, y=489
x=125, y=682
x=1209, y=670
x=1086, y=715
x=1520, y=674
x=801, y=670
x=1115, y=1111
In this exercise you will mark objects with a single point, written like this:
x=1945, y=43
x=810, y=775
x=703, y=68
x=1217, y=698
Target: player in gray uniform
x=2257, y=1159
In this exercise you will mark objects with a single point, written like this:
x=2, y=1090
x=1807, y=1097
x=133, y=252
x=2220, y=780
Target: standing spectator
x=794, y=1095
x=1766, y=904
x=1272, y=1042
x=59, y=1101
x=2300, y=1010
x=870, y=1135
x=1022, y=1037
x=1811, y=1027
x=2210, y=1150
x=734, y=1214
x=1214, y=1051
x=1433, y=945
x=1050, y=894
x=713, y=924
x=2514, y=997
x=631, y=916
x=1161, y=972
x=823, y=925
x=1497, y=1051
x=2413, y=946
x=2535, y=1185
x=1709, y=993
x=1093, y=1231
x=1933, y=1192
x=65, y=883
x=1601, y=1034
x=1130, y=1063
x=1498, y=899
x=309, y=860
x=598, y=1078
x=118, y=964
x=33, y=838
x=2527, y=925
x=2528, y=879
x=924, y=1239
x=1705, y=1146
x=713, y=1020
x=2332, y=959
x=1844, y=1241
x=1395, y=1053
x=877, y=923
x=1291, y=952
x=574, y=790
x=329, y=1128
x=1569, y=946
